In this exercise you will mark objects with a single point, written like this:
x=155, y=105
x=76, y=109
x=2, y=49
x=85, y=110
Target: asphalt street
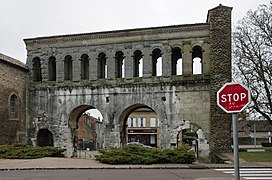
x=116, y=174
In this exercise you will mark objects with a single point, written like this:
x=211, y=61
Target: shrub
x=29, y=152
x=134, y=154
x=268, y=149
x=267, y=144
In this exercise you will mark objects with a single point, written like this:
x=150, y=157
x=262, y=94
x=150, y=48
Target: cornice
x=119, y=33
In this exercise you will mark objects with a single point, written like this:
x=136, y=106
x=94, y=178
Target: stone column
x=219, y=19
x=187, y=62
x=166, y=62
x=93, y=67
x=128, y=64
x=147, y=63
x=44, y=68
x=76, y=67
x=60, y=68
x=110, y=65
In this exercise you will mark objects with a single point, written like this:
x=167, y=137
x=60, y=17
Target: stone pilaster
x=76, y=67
x=147, y=63
x=60, y=68
x=93, y=67
x=111, y=66
x=128, y=64
x=187, y=63
x=166, y=63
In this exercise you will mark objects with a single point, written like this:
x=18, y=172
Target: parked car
x=139, y=144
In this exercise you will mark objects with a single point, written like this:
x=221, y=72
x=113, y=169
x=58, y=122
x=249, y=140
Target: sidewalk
x=71, y=163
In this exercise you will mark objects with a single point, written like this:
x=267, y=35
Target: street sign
x=233, y=97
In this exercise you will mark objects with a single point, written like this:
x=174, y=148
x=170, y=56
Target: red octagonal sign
x=233, y=97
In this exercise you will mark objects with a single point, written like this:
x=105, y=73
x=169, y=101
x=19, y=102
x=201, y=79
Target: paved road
x=116, y=174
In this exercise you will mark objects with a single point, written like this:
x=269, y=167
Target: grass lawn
x=256, y=156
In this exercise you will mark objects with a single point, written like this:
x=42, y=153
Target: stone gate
x=173, y=70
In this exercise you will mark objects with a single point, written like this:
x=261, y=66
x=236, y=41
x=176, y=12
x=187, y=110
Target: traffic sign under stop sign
x=233, y=97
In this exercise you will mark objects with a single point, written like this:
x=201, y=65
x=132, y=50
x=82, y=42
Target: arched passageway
x=141, y=125
x=84, y=130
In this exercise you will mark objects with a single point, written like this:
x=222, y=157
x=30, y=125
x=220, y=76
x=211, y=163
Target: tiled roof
x=13, y=61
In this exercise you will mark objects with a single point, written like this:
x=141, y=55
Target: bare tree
x=252, y=55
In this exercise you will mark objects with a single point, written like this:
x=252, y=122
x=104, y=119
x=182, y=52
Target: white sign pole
x=235, y=146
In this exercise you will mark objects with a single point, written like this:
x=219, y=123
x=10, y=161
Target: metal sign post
x=235, y=146
x=233, y=98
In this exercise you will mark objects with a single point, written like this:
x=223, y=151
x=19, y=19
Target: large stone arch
x=72, y=121
x=123, y=119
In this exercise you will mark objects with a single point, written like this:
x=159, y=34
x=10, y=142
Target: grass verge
x=256, y=156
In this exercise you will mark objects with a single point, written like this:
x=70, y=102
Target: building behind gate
x=13, y=82
x=175, y=71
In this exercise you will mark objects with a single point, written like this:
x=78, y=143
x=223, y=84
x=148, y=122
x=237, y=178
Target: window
x=52, y=69
x=137, y=64
x=176, y=60
x=139, y=122
x=144, y=122
x=37, y=71
x=152, y=139
x=13, y=107
x=197, y=60
x=129, y=122
x=152, y=122
x=134, y=122
x=68, y=68
x=102, y=65
x=84, y=67
x=156, y=62
x=120, y=65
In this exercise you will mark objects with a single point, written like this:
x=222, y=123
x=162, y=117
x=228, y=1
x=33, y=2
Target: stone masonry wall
x=13, y=80
x=220, y=70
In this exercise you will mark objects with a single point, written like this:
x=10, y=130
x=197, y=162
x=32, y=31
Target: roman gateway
x=174, y=71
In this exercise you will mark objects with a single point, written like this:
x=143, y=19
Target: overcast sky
x=34, y=18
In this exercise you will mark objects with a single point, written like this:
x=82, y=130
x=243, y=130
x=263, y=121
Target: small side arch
x=52, y=70
x=37, y=70
x=197, y=59
x=102, y=65
x=84, y=59
x=68, y=68
x=176, y=61
x=156, y=62
x=45, y=138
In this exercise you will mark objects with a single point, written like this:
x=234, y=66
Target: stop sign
x=233, y=97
